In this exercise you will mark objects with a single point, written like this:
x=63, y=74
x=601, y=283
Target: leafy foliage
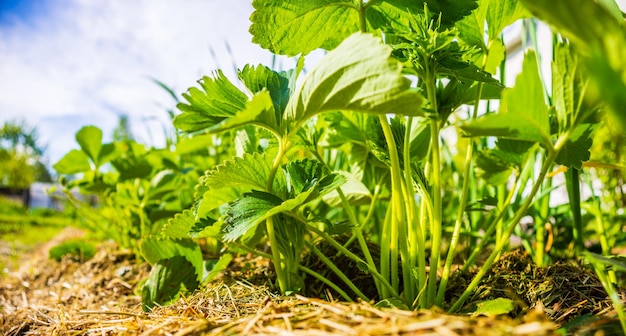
x=597, y=31
x=523, y=114
x=218, y=100
x=358, y=146
x=356, y=76
x=168, y=279
x=21, y=156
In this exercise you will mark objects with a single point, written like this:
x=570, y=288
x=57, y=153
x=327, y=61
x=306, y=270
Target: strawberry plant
x=401, y=137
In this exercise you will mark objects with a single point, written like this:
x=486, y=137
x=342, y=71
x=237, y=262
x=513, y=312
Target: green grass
x=22, y=230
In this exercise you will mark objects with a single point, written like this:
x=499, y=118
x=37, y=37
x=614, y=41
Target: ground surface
x=99, y=297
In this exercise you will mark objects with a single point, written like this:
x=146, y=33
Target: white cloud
x=85, y=62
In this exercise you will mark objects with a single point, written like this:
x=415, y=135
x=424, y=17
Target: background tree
x=21, y=156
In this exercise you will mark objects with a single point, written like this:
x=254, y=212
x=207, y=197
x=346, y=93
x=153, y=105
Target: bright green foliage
x=357, y=76
x=256, y=206
x=576, y=150
x=502, y=13
x=156, y=248
x=79, y=248
x=218, y=100
x=496, y=14
x=168, y=279
x=20, y=156
x=358, y=147
x=499, y=306
x=179, y=226
x=92, y=156
x=248, y=211
x=567, y=86
x=495, y=165
x=451, y=11
x=523, y=114
x=293, y=27
x=252, y=170
x=274, y=24
x=597, y=30
x=75, y=161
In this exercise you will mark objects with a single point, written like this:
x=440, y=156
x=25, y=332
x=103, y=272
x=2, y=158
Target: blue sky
x=69, y=63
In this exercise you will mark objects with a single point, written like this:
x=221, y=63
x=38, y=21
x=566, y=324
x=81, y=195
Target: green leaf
x=217, y=267
x=489, y=91
x=75, y=161
x=293, y=27
x=576, y=149
x=585, y=23
x=194, y=144
x=495, y=166
x=391, y=14
x=278, y=85
x=346, y=127
x=247, y=212
x=259, y=111
x=354, y=190
x=80, y=248
x=616, y=263
x=250, y=171
x=156, y=248
x=205, y=227
x=467, y=71
x=567, y=86
x=596, y=29
x=256, y=206
x=523, y=114
x=502, y=13
x=451, y=10
x=214, y=198
x=304, y=174
x=90, y=140
x=613, y=8
x=499, y=306
x=168, y=278
x=497, y=53
x=472, y=27
x=179, y=226
x=219, y=99
x=358, y=76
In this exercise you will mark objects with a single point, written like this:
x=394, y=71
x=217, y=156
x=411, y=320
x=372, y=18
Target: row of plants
x=352, y=153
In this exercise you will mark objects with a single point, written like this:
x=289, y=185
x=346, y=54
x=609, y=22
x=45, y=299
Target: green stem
x=469, y=153
x=398, y=218
x=521, y=212
x=356, y=228
x=354, y=257
x=492, y=227
x=540, y=225
x=336, y=270
x=301, y=267
x=362, y=7
x=572, y=181
x=436, y=230
x=416, y=237
x=283, y=280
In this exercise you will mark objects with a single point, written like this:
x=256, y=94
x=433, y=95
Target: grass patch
x=22, y=230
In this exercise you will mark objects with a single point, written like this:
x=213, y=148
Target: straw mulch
x=100, y=297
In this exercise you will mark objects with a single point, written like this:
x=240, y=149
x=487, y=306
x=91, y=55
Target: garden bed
x=100, y=296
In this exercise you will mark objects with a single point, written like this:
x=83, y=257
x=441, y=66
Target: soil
x=100, y=297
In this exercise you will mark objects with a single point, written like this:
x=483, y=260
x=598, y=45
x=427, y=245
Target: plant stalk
x=521, y=212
